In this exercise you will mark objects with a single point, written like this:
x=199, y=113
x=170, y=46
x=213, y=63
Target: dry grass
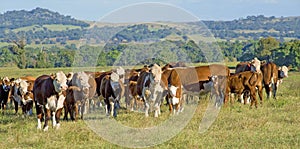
x=275, y=124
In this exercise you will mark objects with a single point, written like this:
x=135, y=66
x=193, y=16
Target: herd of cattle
x=146, y=87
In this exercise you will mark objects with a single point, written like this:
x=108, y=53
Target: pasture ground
x=275, y=124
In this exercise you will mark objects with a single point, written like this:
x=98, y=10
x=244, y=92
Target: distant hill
x=255, y=27
x=39, y=16
x=43, y=26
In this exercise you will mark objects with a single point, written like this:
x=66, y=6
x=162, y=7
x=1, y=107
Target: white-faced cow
x=21, y=93
x=112, y=89
x=149, y=83
x=82, y=89
x=49, y=96
x=272, y=76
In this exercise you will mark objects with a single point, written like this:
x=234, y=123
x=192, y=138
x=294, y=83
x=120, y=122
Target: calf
x=239, y=83
x=49, y=96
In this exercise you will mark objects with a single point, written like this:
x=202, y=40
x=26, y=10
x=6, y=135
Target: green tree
x=266, y=47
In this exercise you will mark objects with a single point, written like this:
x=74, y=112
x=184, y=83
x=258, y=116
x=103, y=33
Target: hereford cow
x=171, y=79
x=270, y=78
x=49, y=97
x=149, y=83
x=253, y=66
x=21, y=94
x=198, y=79
x=239, y=83
x=83, y=90
x=4, y=92
x=112, y=89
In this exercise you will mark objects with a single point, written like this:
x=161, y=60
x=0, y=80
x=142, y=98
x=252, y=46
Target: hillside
x=39, y=16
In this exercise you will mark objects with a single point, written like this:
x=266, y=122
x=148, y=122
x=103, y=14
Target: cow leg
x=253, y=98
x=53, y=119
x=147, y=106
x=111, y=108
x=39, y=113
x=260, y=94
x=57, y=117
x=82, y=109
x=48, y=115
x=16, y=106
x=275, y=90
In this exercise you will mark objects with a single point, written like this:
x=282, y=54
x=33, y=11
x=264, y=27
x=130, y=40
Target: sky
x=121, y=10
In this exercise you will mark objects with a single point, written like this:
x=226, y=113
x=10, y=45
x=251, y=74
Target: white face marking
x=60, y=82
x=156, y=71
x=114, y=77
x=285, y=70
x=23, y=86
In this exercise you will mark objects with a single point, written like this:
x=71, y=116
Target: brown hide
x=241, y=67
x=192, y=77
x=73, y=97
x=247, y=80
x=270, y=76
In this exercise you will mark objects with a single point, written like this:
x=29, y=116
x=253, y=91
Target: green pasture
x=275, y=124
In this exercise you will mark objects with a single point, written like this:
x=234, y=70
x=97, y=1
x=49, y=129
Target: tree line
x=269, y=49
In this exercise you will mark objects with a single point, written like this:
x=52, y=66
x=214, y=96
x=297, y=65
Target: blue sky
x=203, y=9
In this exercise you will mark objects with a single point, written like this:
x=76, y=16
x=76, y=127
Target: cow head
x=256, y=63
x=6, y=84
x=81, y=79
x=156, y=72
x=283, y=71
x=60, y=82
x=23, y=86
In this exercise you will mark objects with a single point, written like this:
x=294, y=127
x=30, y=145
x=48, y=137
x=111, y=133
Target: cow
x=149, y=83
x=49, y=95
x=85, y=91
x=5, y=87
x=243, y=81
x=253, y=66
x=112, y=89
x=21, y=94
x=198, y=79
x=282, y=73
x=73, y=94
x=272, y=76
x=171, y=80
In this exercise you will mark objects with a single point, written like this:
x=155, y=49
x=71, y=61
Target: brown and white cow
x=271, y=76
x=243, y=81
x=86, y=85
x=49, y=97
x=150, y=83
x=21, y=94
x=112, y=89
x=171, y=80
x=198, y=79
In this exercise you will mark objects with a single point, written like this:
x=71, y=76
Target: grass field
x=275, y=124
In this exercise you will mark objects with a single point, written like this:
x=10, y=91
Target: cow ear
x=289, y=67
